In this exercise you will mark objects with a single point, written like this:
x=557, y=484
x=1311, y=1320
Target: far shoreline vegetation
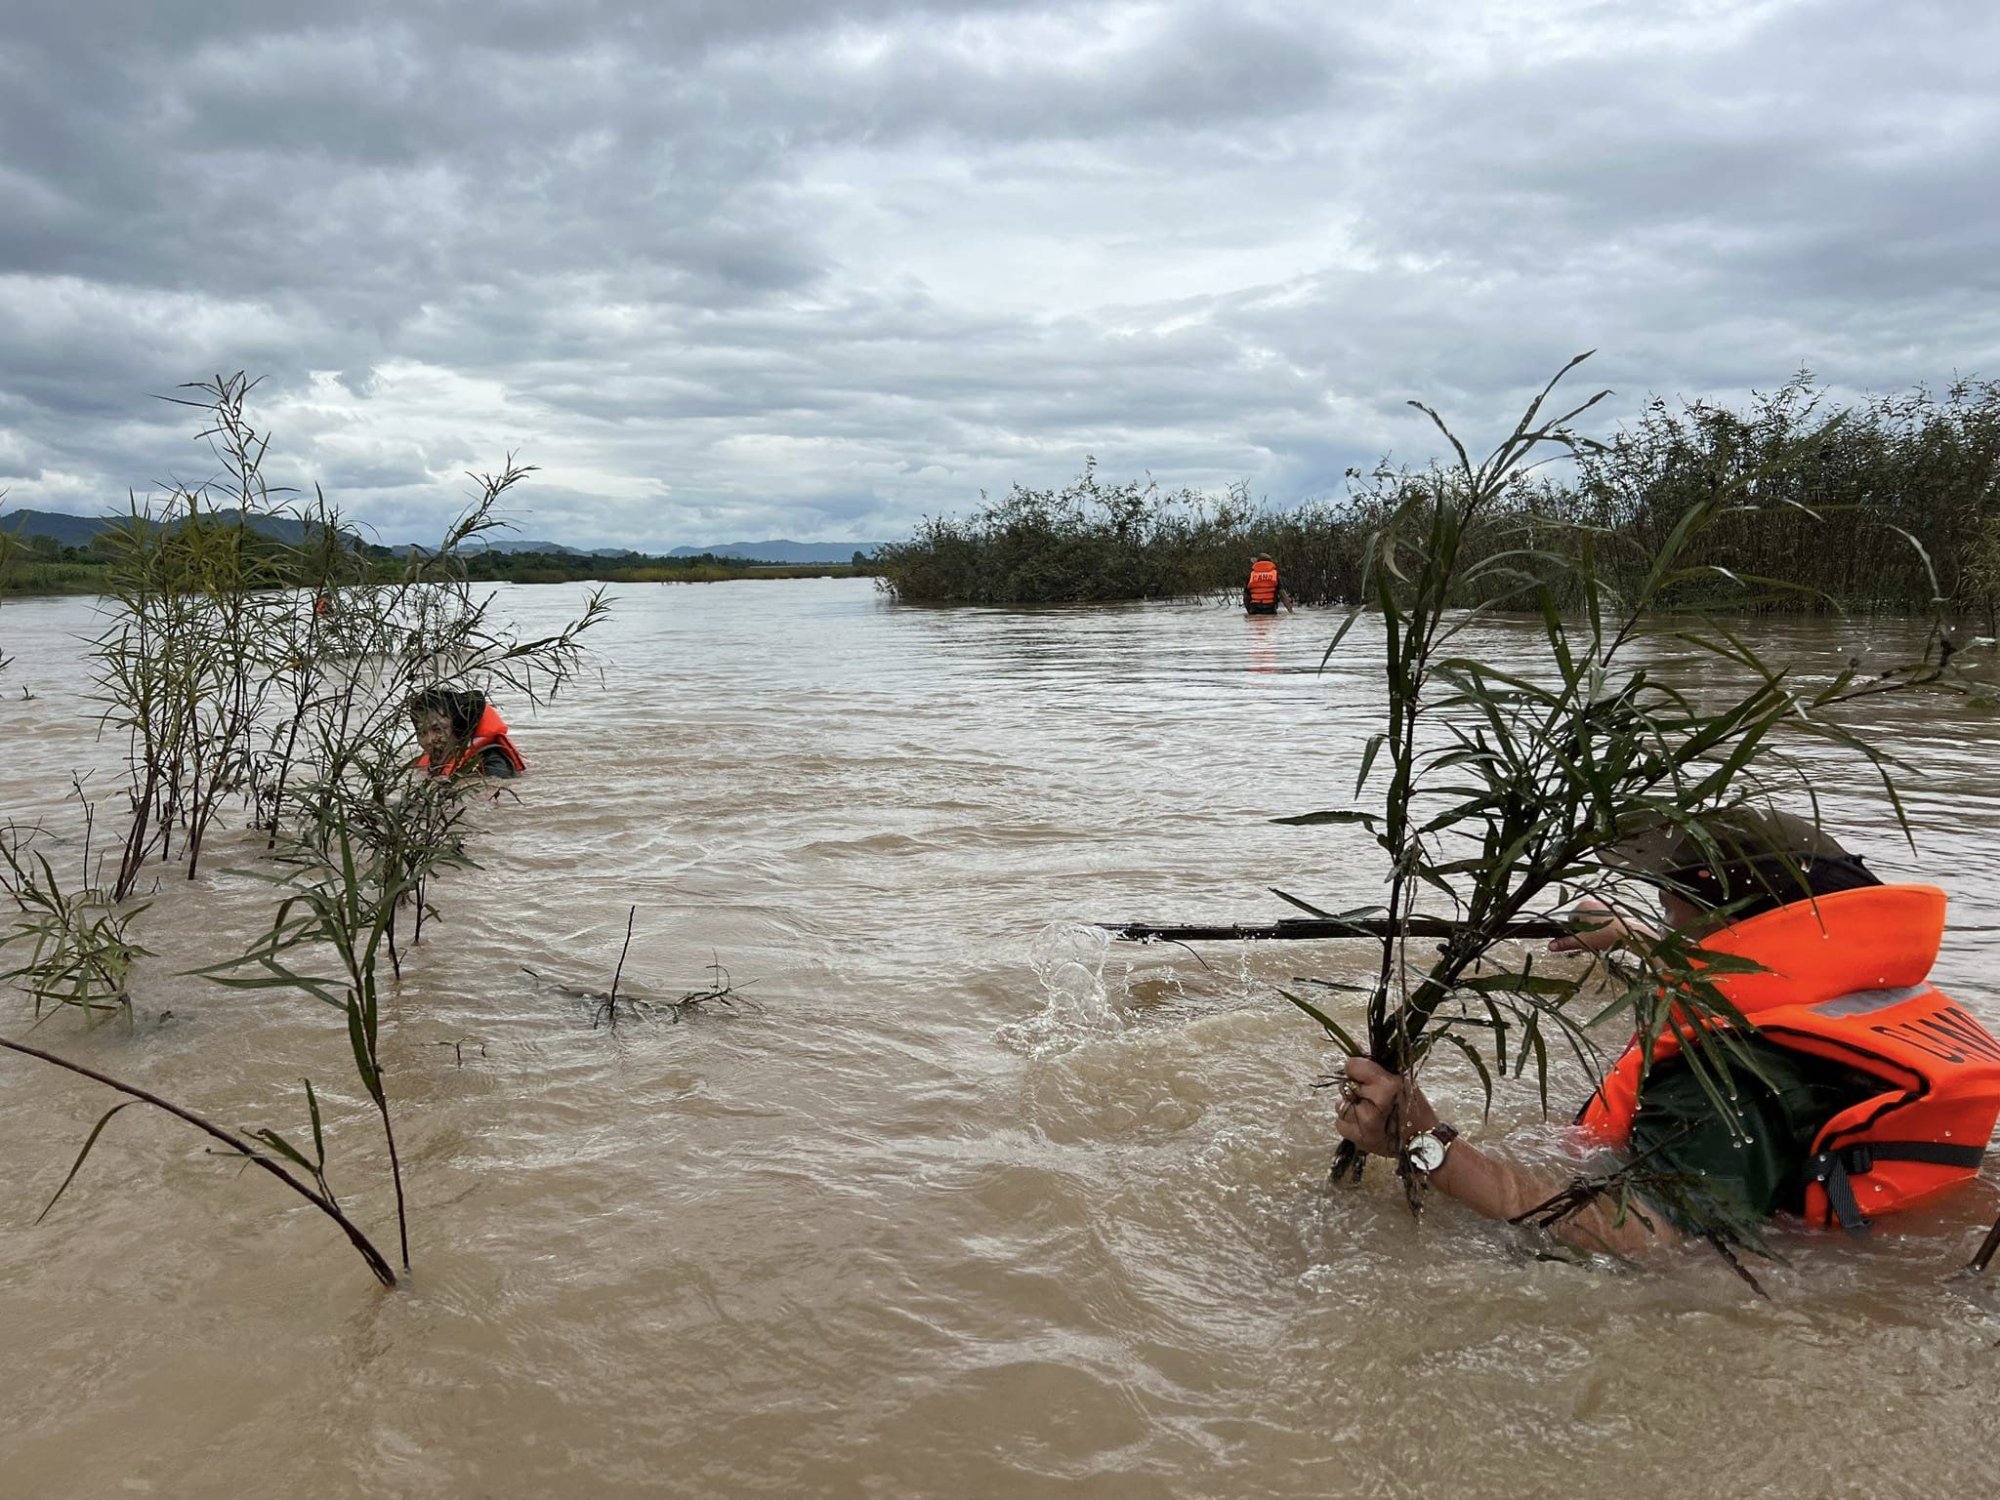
x=42, y=566
x=1889, y=506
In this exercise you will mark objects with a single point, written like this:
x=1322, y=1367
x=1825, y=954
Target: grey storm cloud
x=817, y=269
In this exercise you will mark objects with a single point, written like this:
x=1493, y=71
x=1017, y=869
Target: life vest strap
x=1833, y=1169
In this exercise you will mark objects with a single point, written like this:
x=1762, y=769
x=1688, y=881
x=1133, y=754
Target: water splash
x=1068, y=959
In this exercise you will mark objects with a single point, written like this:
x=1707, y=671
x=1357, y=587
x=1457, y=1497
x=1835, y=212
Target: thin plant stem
x=324, y=1204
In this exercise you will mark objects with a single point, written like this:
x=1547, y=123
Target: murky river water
x=919, y=1223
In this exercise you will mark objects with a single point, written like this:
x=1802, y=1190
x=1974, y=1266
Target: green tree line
x=43, y=565
x=1887, y=504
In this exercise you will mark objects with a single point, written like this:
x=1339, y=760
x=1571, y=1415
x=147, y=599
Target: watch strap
x=1443, y=1135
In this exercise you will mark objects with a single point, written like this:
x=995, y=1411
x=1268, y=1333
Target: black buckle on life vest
x=1832, y=1169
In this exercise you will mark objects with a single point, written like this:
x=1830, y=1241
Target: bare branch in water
x=721, y=990
x=611, y=1000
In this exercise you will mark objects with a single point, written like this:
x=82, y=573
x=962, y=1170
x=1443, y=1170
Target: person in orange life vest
x=462, y=735
x=1262, y=595
x=1872, y=1091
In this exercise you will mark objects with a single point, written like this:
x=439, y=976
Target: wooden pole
x=1295, y=928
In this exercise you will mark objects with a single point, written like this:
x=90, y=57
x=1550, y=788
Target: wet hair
x=463, y=709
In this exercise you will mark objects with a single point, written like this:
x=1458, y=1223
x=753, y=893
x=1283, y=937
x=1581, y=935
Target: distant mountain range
x=71, y=531
x=78, y=531
x=783, y=552
x=509, y=544
x=770, y=552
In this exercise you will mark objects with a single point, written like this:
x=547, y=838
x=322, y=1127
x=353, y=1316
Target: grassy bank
x=78, y=570
x=726, y=572
x=40, y=577
x=545, y=567
x=1880, y=506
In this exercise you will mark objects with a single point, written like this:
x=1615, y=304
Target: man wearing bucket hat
x=1860, y=1088
x=1734, y=865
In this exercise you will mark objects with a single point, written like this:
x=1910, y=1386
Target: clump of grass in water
x=1506, y=785
x=183, y=668
x=199, y=652
x=80, y=950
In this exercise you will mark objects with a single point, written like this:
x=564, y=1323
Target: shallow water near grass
x=960, y=1202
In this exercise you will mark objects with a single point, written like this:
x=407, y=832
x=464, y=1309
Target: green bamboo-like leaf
x=1339, y=635
x=1332, y=984
x=1333, y=1028
x=1472, y=1056
x=77, y=1165
x=1923, y=554
x=1305, y=906
x=364, y=1064
x=1374, y=748
x=319, y=1135
x=1314, y=819
x=282, y=1146
x=1547, y=985
x=1532, y=1040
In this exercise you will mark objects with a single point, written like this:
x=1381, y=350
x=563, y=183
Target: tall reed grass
x=268, y=682
x=1889, y=504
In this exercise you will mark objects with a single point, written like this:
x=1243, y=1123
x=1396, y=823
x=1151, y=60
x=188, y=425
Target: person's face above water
x=434, y=734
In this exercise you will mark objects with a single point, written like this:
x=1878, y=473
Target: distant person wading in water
x=1262, y=595
x=462, y=735
x=1872, y=1091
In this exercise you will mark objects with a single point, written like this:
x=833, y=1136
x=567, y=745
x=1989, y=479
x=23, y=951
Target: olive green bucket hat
x=1745, y=857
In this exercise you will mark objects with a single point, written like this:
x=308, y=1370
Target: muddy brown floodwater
x=947, y=1213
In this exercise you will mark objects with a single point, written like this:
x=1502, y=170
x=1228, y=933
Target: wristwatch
x=1426, y=1152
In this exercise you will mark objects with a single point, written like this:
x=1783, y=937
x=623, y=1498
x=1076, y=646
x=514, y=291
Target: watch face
x=1427, y=1153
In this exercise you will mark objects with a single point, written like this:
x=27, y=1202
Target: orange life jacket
x=491, y=732
x=1263, y=585
x=1845, y=979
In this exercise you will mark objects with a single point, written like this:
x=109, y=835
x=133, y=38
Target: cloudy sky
x=733, y=269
